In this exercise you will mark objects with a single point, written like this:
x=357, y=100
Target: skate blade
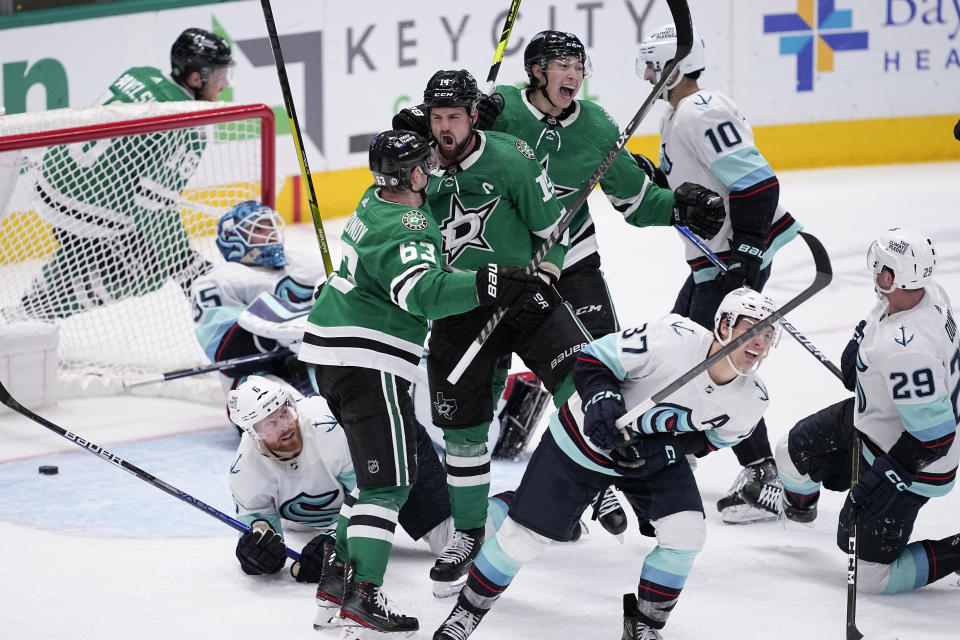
x=357, y=632
x=446, y=589
x=745, y=514
x=327, y=618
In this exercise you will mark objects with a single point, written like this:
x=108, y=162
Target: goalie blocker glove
x=261, y=550
x=699, y=209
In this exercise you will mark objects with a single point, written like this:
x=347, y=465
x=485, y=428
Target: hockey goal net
x=108, y=214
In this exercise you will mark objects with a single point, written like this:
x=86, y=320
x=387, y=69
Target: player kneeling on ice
x=293, y=470
x=584, y=450
x=904, y=363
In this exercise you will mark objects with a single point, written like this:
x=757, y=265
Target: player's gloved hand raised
x=261, y=550
x=412, y=119
x=743, y=267
x=879, y=487
x=601, y=409
x=699, y=209
x=310, y=565
x=652, y=170
x=488, y=109
x=526, y=315
x=505, y=286
x=848, y=360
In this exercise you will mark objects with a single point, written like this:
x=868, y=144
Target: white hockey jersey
x=908, y=379
x=220, y=295
x=648, y=358
x=707, y=141
x=302, y=493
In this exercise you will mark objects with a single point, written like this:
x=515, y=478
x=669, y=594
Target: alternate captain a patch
x=526, y=150
x=414, y=220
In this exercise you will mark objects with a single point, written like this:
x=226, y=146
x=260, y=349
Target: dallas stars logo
x=464, y=227
x=560, y=190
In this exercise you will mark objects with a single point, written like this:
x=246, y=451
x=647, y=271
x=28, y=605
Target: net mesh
x=104, y=236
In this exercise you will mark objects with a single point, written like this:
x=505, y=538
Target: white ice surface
x=94, y=552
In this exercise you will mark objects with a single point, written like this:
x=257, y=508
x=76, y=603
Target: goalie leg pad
x=520, y=416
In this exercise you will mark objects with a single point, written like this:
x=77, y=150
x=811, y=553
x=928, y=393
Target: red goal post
x=108, y=214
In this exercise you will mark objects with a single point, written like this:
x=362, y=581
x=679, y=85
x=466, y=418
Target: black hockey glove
x=699, y=209
x=848, y=360
x=743, y=267
x=412, y=119
x=653, y=171
x=505, y=286
x=879, y=487
x=527, y=315
x=261, y=550
x=601, y=408
x=956, y=130
x=647, y=453
x=489, y=108
x=310, y=565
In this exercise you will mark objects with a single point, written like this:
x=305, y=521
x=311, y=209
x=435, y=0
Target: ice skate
x=450, y=570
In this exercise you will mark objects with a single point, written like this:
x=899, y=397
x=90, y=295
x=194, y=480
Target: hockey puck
x=49, y=470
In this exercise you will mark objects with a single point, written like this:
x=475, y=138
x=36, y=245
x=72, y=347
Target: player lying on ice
x=582, y=450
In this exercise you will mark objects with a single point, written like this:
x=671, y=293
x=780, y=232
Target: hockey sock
x=468, y=475
x=662, y=578
x=343, y=521
x=373, y=519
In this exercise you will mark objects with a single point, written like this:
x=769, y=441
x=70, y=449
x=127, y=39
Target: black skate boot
x=634, y=625
x=450, y=570
x=365, y=606
x=773, y=499
x=608, y=510
x=760, y=476
x=330, y=589
x=460, y=623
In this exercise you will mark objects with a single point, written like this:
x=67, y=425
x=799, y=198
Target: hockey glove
x=489, y=108
x=879, y=487
x=505, y=286
x=600, y=413
x=699, y=209
x=526, y=315
x=653, y=171
x=743, y=267
x=412, y=119
x=646, y=452
x=848, y=361
x=261, y=550
x=310, y=565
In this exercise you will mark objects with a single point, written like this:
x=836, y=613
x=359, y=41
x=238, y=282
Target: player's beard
x=453, y=156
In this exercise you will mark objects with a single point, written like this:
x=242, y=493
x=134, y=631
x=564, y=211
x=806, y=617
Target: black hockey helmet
x=198, y=50
x=547, y=45
x=395, y=153
x=452, y=89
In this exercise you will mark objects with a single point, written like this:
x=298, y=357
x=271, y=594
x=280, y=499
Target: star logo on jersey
x=464, y=227
x=525, y=150
x=414, y=220
x=560, y=190
x=763, y=392
x=903, y=340
x=445, y=407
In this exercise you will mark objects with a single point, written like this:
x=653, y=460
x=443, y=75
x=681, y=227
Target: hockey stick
x=116, y=460
x=297, y=139
x=852, y=632
x=681, y=18
x=824, y=274
x=502, y=46
x=789, y=328
x=216, y=366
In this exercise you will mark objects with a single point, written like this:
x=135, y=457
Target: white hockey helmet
x=908, y=253
x=254, y=400
x=744, y=302
x=659, y=48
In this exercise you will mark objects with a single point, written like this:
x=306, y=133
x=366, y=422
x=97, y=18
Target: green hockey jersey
x=373, y=310
x=571, y=148
x=497, y=205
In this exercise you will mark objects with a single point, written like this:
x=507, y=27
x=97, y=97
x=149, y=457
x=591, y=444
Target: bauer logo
x=814, y=34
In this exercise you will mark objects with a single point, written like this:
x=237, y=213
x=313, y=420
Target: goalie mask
x=394, y=154
x=738, y=311
x=266, y=411
x=909, y=254
x=659, y=48
x=252, y=233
